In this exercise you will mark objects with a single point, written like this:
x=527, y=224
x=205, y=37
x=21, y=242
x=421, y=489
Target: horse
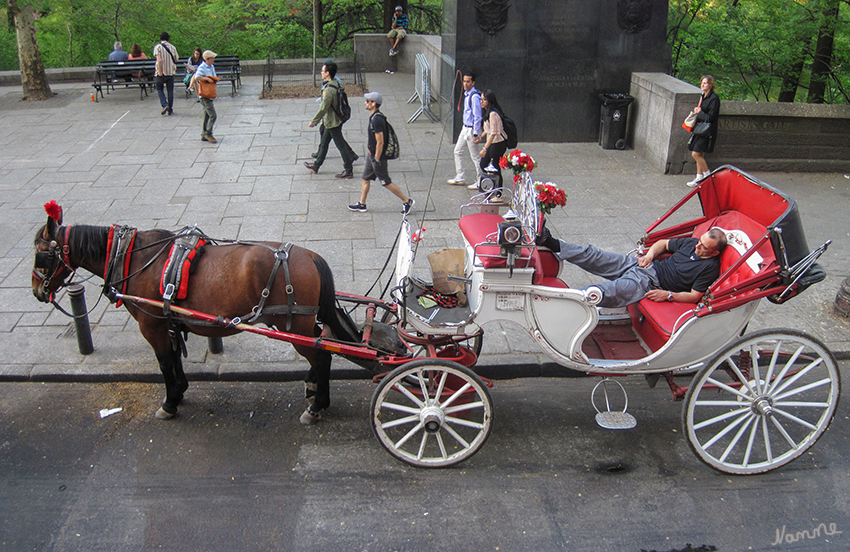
x=230, y=280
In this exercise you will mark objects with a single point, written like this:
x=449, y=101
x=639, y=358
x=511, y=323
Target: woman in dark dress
x=707, y=110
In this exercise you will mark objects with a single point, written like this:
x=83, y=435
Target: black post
x=77, y=293
x=215, y=345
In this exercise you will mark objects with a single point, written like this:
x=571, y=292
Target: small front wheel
x=432, y=413
x=762, y=401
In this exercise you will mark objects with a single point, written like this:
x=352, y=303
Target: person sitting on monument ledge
x=398, y=30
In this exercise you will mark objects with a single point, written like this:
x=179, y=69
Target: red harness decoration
x=110, y=254
x=180, y=276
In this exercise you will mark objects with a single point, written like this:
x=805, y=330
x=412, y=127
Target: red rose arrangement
x=518, y=162
x=549, y=195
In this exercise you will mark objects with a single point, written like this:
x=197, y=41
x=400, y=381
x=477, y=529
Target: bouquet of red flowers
x=518, y=162
x=549, y=195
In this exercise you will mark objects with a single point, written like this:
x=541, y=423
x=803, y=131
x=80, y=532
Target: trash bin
x=613, y=120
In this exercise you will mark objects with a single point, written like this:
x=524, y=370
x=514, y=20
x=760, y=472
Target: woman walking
x=494, y=132
x=708, y=110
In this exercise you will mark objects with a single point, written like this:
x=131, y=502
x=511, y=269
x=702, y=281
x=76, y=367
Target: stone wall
x=754, y=136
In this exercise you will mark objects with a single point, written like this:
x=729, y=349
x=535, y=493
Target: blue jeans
x=209, y=117
x=168, y=82
x=628, y=282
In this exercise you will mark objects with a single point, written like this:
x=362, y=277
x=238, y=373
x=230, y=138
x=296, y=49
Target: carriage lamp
x=510, y=239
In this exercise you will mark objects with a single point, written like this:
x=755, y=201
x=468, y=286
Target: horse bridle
x=53, y=264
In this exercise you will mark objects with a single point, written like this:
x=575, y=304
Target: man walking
x=469, y=134
x=206, y=72
x=166, y=66
x=376, y=163
x=327, y=115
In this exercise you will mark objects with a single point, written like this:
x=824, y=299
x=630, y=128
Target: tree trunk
x=790, y=83
x=33, y=77
x=821, y=67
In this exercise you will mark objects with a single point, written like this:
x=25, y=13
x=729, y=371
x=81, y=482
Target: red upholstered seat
x=655, y=322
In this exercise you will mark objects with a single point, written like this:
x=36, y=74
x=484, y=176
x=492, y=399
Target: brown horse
x=227, y=280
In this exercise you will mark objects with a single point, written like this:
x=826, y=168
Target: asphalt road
x=237, y=472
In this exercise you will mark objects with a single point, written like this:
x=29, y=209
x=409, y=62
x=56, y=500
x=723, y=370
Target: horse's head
x=51, y=267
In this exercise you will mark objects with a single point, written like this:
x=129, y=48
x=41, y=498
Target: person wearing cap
x=398, y=30
x=166, y=66
x=376, y=163
x=206, y=72
x=327, y=115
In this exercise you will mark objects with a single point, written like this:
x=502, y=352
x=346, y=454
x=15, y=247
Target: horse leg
x=171, y=366
x=317, y=383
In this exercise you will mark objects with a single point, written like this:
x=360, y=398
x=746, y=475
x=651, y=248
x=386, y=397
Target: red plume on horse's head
x=54, y=210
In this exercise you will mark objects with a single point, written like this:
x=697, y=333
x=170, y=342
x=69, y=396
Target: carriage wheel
x=762, y=401
x=432, y=413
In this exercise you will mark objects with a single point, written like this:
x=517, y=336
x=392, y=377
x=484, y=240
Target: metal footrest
x=612, y=419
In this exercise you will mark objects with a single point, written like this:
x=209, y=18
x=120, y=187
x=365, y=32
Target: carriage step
x=609, y=418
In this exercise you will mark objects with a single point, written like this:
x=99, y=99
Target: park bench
x=136, y=73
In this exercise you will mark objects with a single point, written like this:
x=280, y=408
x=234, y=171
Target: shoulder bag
x=691, y=119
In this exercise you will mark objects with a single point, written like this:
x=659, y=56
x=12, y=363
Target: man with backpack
x=380, y=135
x=471, y=133
x=331, y=115
x=351, y=153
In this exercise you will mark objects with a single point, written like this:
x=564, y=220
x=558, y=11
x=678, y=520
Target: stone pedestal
x=551, y=60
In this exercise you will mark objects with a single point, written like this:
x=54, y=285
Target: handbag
x=206, y=89
x=691, y=119
x=702, y=128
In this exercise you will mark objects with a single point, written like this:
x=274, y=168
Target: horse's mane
x=89, y=242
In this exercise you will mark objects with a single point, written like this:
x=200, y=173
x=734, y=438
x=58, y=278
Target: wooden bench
x=131, y=73
x=655, y=321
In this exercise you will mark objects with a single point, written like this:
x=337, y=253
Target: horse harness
x=186, y=251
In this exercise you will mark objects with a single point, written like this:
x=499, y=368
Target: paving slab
x=119, y=161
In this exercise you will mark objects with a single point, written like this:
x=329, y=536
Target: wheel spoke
x=732, y=390
x=793, y=418
x=785, y=368
x=443, y=453
x=400, y=408
x=411, y=433
x=406, y=392
x=721, y=417
x=456, y=436
x=767, y=448
x=465, y=423
x=718, y=403
x=773, y=358
x=750, y=442
x=423, y=386
x=803, y=389
x=736, y=439
x=741, y=377
x=746, y=413
x=784, y=433
x=796, y=376
x=400, y=421
x=454, y=397
x=463, y=407
x=754, y=355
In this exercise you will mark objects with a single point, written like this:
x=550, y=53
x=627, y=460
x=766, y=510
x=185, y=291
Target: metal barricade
x=423, y=90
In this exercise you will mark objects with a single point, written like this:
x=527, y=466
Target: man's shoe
x=358, y=207
x=211, y=139
x=164, y=111
x=170, y=112
x=345, y=174
x=407, y=206
x=314, y=155
x=311, y=167
x=456, y=181
x=473, y=186
x=354, y=157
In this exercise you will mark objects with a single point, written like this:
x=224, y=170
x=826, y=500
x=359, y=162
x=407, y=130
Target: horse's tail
x=339, y=322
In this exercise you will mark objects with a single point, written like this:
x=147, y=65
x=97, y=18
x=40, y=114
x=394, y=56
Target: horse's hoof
x=161, y=414
x=310, y=418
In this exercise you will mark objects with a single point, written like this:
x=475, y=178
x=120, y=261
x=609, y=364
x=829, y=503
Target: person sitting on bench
x=683, y=277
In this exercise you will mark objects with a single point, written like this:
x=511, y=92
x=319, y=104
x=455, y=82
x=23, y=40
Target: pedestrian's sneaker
x=406, y=206
x=697, y=179
x=358, y=207
x=393, y=52
x=474, y=186
x=456, y=181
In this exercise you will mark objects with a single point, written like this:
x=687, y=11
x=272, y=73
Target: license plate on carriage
x=507, y=301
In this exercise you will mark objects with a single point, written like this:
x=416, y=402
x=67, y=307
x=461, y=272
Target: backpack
x=511, y=137
x=342, y=109
x=392, y=148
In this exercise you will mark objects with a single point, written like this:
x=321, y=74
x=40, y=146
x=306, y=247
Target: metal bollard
x=215, y=345
x=77, y=293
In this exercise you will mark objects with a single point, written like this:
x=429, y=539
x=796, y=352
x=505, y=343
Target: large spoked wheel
x=762, y=401
x=432, y=413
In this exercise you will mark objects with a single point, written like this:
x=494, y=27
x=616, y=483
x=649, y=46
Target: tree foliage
x=81, y=32
x=764, y=50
